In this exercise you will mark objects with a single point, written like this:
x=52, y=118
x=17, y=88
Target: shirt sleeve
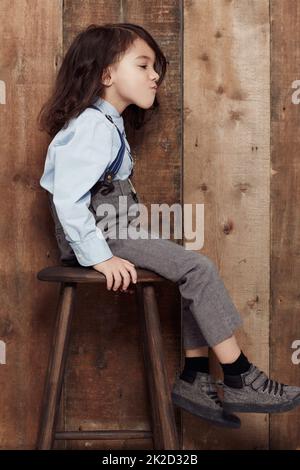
x=80, y=160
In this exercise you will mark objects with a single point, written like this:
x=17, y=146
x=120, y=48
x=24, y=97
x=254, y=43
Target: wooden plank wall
x=285, y=220
x=30, y=42
x=231, y=99
x=105, y=384
x=226, y=168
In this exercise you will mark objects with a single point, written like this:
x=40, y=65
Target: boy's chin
x=145, y=106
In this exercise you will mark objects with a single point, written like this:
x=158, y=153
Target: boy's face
x=133, y=78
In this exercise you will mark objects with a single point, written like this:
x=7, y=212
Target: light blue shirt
x=76, y=159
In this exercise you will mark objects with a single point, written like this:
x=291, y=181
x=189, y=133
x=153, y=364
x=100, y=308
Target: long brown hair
x=78, y=83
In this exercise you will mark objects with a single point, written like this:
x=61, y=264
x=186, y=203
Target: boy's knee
x=204, y=262
x=195, y=262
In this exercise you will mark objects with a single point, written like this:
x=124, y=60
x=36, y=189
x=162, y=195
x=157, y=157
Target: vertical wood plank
x=285, y=222
x=105, y=382
x=226, y=168
x=30, y=45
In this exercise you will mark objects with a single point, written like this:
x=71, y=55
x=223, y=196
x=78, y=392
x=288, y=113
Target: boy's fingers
x=126, y=279
x=133, y=274
x=117, y=280
x=109, y=280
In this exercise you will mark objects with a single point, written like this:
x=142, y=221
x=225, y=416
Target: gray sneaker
x=259, y=394
x=199, y=397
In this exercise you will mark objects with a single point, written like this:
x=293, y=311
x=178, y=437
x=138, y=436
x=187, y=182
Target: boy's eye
x=145, y=66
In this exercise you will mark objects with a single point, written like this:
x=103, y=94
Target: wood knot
x=16, y=178
x=235, y=115
x=244, y=187
x=251, y=303
x=228, y=227
x=6, y=327
x=204, y=57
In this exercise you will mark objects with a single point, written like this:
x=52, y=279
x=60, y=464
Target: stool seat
x=86, y=274
x=163, y=425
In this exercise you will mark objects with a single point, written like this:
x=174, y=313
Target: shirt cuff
x=91, y=251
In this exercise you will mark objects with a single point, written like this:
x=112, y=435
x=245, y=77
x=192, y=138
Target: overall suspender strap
x=114, y=167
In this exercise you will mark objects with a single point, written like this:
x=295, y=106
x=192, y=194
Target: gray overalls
x=209, y=315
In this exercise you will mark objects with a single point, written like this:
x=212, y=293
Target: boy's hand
x=117, y=271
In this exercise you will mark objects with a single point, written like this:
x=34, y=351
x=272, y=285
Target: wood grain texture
x=226, y=168
x=30, y=42
x=106, y=383
x=285, y=221
x=249, y=190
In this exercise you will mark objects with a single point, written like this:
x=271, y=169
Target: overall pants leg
x=209, y=315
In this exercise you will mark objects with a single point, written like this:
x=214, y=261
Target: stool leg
x=56, y=366
x=157, y=374
x=156, y=431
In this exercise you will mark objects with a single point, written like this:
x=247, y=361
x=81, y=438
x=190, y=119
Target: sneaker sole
x=248, y=408
x=204, y=413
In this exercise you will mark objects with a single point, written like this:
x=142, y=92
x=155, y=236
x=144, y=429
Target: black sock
x=239, y=366
x=236, y=368
x=193, y=365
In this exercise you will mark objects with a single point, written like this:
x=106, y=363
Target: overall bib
x=209, y=315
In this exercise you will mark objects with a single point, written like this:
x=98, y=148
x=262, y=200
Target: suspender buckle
x=108, y=184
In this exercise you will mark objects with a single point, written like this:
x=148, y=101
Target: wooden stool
x=164, y=432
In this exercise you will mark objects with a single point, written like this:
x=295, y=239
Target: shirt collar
x=109, y=109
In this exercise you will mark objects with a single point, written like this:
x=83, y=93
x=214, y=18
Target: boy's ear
x=106, y=77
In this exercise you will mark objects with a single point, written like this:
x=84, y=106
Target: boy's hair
x=78, y=82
